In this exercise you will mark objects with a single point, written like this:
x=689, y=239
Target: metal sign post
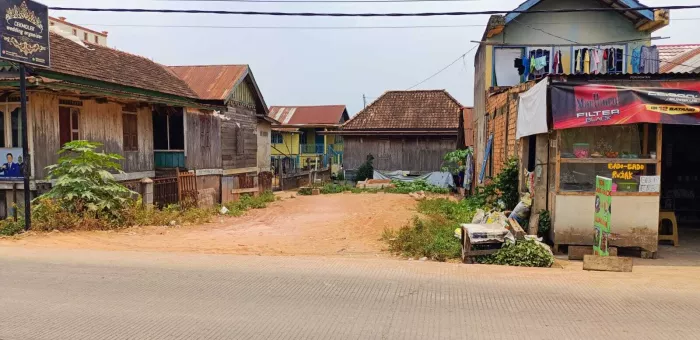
x=24, y=39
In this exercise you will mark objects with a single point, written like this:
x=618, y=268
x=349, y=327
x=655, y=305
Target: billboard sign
x=11, y=165
x=580, y=105
x=24, y=32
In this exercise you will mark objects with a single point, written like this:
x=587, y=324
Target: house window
x=75, y=32
x=130, y=131
x=504, y=74
x=69, y=122
x=276, y=138
x=85, y=36
x=540, y=54
x=205, y=129
x=16, y=121
x=97, y=40
x=168, y=129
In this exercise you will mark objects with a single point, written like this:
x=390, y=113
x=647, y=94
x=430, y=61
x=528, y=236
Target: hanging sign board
x=580, y=105
x=602, y=215
x=24, y=32
x=11, y=165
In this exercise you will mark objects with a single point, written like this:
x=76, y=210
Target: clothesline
x=561, y=45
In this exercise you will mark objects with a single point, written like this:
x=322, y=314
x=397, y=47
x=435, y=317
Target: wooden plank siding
x=98, y=122
x=239, y=141
x=203, y=142
x=415, y=154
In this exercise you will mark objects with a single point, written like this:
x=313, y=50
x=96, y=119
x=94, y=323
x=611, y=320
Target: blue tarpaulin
x=437, y=178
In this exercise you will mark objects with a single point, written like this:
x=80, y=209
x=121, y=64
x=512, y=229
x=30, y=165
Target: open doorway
x=680, y=185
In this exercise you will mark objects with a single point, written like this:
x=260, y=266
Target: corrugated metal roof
x=416, y=109
x=308, y=115
x=211, y=82
x=647, y=14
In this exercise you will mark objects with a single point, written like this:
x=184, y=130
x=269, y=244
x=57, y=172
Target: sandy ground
x=341, y=224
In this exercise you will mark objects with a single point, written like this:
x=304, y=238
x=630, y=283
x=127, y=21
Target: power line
x=444, y=68
x=320, y=1
x=316, y=14
x=335, y=27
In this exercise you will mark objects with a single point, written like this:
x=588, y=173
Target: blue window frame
x=276, y=138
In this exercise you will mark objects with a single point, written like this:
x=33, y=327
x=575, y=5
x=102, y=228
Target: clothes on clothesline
x=648, y=59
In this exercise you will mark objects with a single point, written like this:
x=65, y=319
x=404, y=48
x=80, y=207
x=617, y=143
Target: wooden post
x=196, y=191
x=539, y=198
x=179, y=183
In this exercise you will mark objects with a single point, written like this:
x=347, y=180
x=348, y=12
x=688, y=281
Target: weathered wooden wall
x=97, y=123
x=242, y=121
x=202, y=141
x=264, y=129
x=417, y=154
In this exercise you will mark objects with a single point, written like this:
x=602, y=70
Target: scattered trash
x=223, y=211
x=423, y=259
x=418, y=196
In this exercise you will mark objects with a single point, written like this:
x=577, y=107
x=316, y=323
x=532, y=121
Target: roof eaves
x=527, y=5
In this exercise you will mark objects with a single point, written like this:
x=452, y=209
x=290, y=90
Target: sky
x=321, y=66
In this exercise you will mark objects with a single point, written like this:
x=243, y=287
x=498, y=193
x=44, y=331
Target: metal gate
x=165, y=192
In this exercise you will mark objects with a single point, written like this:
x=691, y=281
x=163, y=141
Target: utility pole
x=364, y=100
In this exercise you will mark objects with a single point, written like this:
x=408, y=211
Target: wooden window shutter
x=130, y=132
x=64, y=125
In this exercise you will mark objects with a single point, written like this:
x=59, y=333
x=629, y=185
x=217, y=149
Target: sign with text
x=24, y=32
x=12, y=164
x=579, y=105
x=602, y=215
x=624, y=170
x=649, y=183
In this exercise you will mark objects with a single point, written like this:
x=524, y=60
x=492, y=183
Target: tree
x=84, y=181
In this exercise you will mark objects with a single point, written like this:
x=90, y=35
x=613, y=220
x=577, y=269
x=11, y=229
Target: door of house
x=319, y=142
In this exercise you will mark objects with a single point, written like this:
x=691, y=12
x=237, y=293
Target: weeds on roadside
x=246, y=202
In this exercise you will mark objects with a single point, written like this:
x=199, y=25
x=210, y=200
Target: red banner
x=578, y=105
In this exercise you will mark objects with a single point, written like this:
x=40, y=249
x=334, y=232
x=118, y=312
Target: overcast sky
x=321, y=66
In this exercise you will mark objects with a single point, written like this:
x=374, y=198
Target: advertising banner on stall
x=580, y=105
x=24, y=32
x=12, y=164
x=602, y=215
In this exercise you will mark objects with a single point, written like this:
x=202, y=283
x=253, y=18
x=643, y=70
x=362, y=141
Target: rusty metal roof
x=678, y=58
x=309, y=115
x=211, y=82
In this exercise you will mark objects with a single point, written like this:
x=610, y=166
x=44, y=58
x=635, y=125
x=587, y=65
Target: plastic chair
x=671, y=217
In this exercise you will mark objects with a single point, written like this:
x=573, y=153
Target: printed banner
x=12, y=164
x=24, y=32
x=602, y=215
x=579, y=105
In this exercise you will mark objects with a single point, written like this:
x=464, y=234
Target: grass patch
x=524, y=253
x=247, y=202
x=432, y=237
x=11, y=227
x=415, y=186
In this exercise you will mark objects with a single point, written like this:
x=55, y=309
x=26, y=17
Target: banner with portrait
x=12, y=164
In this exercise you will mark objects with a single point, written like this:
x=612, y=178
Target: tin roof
x=113, y=66
x=416, y=109
x=634, y=14
x=309, y=115
x=211, y=82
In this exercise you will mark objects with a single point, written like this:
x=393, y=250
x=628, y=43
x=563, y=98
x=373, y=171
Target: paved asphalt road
x=59, y=294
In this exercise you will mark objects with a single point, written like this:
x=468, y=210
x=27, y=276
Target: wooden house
x=403, y=130
x=237, y=133
x=134, y=106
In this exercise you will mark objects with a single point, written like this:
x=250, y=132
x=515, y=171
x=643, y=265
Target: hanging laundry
x=577, y=62
x=560, y=68
x=604, y=64
x=518, y=64
x=587, y=62
x=636, y=59
x=540, y=63
x=611, y=60
x=526, y=67
x=556, y=63
x=651, y=64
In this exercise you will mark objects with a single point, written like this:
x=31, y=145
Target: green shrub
x=523, y=253
x=460, y=212
x=432, y=238
x=402, y=187
x=11, y=227
x=454, y=161
x=366, y=170
x=506, y=184
x=247, y=202
x=305, y=191
x=545, y=224
x=335, y=188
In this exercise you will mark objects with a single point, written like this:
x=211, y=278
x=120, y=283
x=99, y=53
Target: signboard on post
x=11, y=164
x=24, y=32
x=602, y=215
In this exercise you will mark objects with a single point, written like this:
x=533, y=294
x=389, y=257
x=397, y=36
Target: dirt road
x=341, y=224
